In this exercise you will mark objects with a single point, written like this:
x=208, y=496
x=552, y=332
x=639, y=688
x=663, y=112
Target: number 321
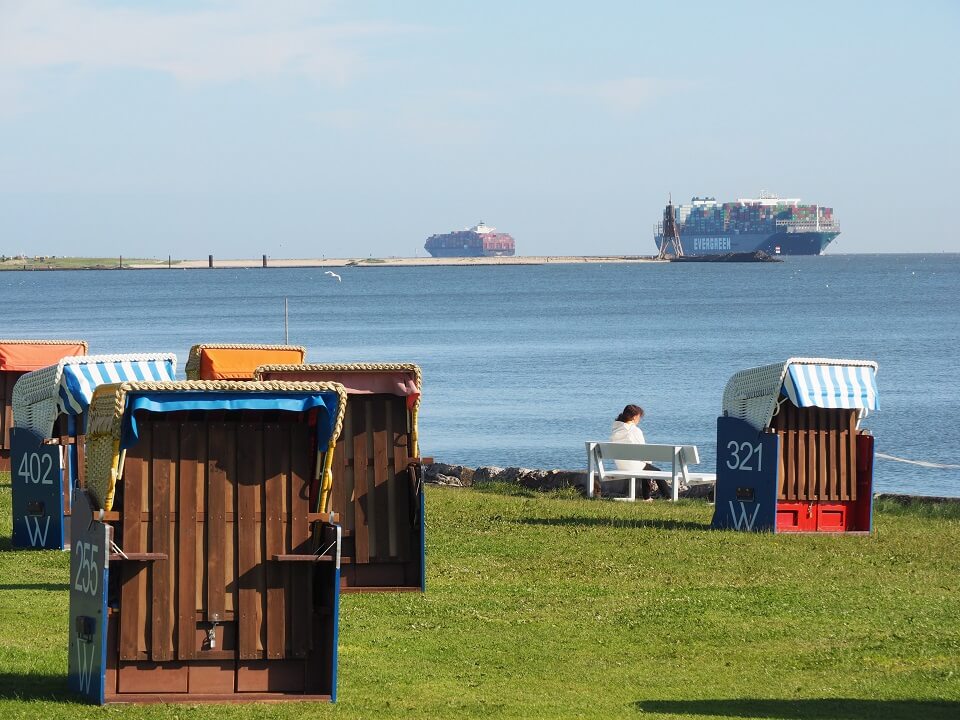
x=742, y=454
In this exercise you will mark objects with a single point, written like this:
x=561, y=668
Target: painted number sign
x=742, y=456
x=746, y=477
x=37, y=484
x=88, y=602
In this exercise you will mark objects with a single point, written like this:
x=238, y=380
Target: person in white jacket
x=625, y=430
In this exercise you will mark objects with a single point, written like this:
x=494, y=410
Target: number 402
x=742, y=454
x=35, y=468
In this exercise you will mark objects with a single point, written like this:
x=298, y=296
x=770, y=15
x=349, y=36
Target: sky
x=313, y=128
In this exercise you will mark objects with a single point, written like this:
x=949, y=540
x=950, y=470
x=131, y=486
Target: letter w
x=35, y=533
x=84, y=664
x=742, y=521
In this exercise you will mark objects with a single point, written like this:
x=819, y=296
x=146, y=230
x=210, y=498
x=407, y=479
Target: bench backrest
x=645, y=452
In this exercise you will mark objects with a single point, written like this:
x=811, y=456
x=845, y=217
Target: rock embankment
x=534, y=479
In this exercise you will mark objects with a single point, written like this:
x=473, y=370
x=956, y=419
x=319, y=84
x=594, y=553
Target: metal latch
x=212, y=632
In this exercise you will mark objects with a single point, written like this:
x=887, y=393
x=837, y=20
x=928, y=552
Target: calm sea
x=522, y=364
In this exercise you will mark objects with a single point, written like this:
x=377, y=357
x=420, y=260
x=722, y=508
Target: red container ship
x=479, y=241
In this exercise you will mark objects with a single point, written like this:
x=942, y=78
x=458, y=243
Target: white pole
x=286, y=324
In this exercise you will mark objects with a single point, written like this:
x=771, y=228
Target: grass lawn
x=73, y=263
x=552, y=606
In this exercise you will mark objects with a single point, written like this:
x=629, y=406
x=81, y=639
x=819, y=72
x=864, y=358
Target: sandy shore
x=404, y=262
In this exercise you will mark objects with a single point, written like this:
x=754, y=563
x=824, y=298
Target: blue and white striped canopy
x=831, y=386
x=80, y=379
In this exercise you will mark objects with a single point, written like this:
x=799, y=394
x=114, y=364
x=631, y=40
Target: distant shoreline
x=51, y=264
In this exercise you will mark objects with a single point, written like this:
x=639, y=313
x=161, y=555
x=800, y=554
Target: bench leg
x=675, y=480
x=632, y=489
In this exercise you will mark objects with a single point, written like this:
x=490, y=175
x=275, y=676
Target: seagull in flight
x=333, y=275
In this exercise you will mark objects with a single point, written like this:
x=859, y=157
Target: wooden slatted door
x=374, y=497
x=817, y=453
x=210, y=509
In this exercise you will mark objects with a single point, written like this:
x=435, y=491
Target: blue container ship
x=774, y=225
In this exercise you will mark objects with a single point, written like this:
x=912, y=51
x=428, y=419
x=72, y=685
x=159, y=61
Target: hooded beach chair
x=49, y=413
x=213, y=361
x=222, y=575
x=791, y=454
x=18, y=357
x=377, y=479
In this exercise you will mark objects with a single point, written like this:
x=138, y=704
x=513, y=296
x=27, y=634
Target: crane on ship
x=671, y=235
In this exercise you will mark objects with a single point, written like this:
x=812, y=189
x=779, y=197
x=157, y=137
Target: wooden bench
x=679, y=456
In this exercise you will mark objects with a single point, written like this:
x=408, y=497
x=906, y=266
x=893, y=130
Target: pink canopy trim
x=386, y=382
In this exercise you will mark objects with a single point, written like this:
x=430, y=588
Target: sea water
x=522, y=364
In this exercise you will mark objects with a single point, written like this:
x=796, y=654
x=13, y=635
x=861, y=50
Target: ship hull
x=780, y=243
x=468, y=252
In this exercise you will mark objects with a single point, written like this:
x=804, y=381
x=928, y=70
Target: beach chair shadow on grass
x=804, y=709
x=35, y=686
x=631, y=523
x=48, y=587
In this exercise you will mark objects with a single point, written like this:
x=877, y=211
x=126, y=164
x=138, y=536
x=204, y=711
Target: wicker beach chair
x=49, y=411
x=67, y=387
x=215, y=361
x=223, y=577
x=377, y=477
x=791, y=449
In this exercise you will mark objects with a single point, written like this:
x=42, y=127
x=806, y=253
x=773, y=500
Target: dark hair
x=630, y=412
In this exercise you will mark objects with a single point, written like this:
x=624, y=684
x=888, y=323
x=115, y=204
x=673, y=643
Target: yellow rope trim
x=192, y=368
x=362, y=367
x=414, y=435
x=327, y=484
x=46, y=342
x=346, y=367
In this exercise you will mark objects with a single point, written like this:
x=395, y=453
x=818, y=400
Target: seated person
x=625, y=430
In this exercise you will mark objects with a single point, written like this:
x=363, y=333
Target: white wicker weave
x=752, y=395
x=36, y=395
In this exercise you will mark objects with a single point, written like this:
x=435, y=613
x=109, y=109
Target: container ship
x=774, y=225
x=479, y=241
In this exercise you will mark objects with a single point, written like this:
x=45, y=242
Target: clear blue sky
x=310, y=128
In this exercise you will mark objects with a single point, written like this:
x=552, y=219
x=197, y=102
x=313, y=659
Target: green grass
x=551, y=606
x=73, y=263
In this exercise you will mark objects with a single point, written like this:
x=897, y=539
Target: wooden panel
x=250, y=576
x=381, y=516
x=276, y=533
x=832, y=457
x=361, y=501
x=823, y=436
x=817, y=455
x=275, y=676
x=148, y=677
x=219, y=442
x=133, y=598
x=160, y=491
x=301, y=598
x=401, y=503
x=190, y=475
x=801, y=481
x=851, y=487
x=211, y=678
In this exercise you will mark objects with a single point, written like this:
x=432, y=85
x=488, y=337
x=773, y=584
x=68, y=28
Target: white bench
x=680, y=457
